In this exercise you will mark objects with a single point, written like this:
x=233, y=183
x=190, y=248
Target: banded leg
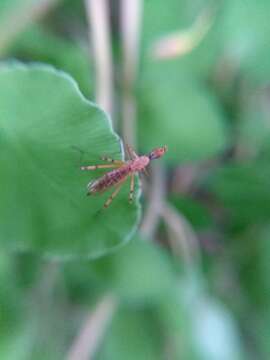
x=102, y=166
x=131, y=191
x=116, y=191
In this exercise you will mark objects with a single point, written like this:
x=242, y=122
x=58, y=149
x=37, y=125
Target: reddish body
x=122, y=170
x=118, y=175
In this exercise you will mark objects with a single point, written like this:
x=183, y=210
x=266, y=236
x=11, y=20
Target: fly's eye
x=152, y=155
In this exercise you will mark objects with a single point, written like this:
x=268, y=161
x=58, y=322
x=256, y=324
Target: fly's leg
x=116, y=191
x=95, y=167
x=145, y=172
x=131, y=191
x=131, y=153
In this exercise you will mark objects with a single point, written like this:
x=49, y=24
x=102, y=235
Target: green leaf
x=10, y=301
x=251, y=251
x=243, y=191
x=177, y=110
x=246, y=29
x=196, y=213
x=16, y=15
x=175, y=107
x=8, y=6
x=133, y=335
x=191, y=315
x=245, y=26
x=176, y=16
x=38, y=44
x=253, y=128
x=120, y=272
x=44, y=208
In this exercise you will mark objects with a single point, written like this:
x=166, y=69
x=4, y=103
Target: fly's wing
x=91, y=187
x=96, y=187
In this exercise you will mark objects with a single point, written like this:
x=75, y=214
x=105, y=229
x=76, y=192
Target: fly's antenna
x=80, y=151
x=127, y=151
x=130, y=152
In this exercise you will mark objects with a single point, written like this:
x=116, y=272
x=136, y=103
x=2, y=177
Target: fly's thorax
x=139, y=163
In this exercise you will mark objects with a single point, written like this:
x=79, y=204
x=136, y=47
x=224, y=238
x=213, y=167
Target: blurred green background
x=183, y=273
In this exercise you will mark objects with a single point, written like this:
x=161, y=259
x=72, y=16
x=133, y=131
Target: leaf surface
x=44, y=208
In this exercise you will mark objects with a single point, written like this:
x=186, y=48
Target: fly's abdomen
x=109, y=179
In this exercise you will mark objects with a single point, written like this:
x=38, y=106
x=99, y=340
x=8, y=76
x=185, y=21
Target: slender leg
x=131, y=191
x=132, y=154
x=145, y=172
x=103, y=166
x=116, y=191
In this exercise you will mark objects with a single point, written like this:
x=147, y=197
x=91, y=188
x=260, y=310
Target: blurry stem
x=96, y=323
x=99, y=31
x=130, y=31
x=183, y=239
x=93, y=330
x=42, y=294
x=20, y=17
x=184, y=242
x=155, y=203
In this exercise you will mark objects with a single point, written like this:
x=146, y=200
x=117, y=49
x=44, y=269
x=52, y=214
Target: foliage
x=40, y=142
x=61, y=254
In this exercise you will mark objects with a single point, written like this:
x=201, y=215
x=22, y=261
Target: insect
x=121, y=171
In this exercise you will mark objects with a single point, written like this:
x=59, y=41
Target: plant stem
x=130, y=30
x=92, y=332
x=99, y=32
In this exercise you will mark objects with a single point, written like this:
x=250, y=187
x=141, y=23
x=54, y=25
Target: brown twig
x=130, y=30
x=99, y=32
x=92, y=332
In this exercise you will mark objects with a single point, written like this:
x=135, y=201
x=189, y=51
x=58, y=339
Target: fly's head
x=158, y=152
